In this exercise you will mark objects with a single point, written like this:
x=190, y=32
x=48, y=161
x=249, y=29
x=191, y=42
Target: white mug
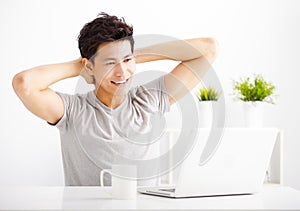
x=124, y=183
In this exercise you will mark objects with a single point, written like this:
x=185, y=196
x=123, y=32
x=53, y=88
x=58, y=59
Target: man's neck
x=111, y=101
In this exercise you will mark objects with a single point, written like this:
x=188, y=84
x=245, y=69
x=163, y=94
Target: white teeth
x=120, y=82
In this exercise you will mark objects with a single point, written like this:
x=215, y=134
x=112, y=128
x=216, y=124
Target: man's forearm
x=179, y=50
x=41, y=77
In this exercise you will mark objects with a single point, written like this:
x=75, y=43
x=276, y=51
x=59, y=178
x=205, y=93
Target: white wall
x=258, y=36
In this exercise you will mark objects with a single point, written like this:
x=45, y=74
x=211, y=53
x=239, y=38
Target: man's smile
x=120, y=83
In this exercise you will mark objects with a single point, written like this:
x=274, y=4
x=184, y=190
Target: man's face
x=114, y=65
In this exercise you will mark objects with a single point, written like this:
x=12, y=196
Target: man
x=98, y=127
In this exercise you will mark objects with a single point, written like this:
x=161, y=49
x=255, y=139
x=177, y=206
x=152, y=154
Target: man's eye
x=110, y=63
x=127, y=59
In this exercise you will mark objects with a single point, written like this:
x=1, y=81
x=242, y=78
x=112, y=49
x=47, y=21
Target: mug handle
x=102, y=172
x=108, y=171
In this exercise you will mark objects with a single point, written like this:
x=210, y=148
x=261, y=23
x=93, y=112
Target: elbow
x=20, y=83
x=214, y=49
x=209, y=48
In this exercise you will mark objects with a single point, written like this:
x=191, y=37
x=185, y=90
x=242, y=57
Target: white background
x=258, y=36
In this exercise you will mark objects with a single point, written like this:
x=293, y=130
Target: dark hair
x=104, y=28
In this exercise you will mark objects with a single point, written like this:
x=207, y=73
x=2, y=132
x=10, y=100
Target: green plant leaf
x=258, y=90
x=208, y=94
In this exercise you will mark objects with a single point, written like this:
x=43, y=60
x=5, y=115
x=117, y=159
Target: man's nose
x=120, y=69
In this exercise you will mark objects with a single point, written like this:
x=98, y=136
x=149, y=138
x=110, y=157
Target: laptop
x=234, y=164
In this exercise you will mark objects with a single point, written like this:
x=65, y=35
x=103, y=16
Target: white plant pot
x=253, y=114
x=205, y=113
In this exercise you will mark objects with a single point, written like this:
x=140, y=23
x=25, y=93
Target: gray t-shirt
x=93, y=136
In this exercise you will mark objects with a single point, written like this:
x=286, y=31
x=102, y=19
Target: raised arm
x=195, y=57
x=32, y=87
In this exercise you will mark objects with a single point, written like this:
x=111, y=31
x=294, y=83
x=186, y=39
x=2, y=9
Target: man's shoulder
x=74, y=95
x=79, y=98
x=150, y=86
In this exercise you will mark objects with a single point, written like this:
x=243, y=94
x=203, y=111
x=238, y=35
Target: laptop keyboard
x=168, y=189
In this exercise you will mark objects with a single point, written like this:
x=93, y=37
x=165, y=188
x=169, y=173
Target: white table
x=272, y=197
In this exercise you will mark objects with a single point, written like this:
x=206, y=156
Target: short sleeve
x=63, y=123
x=154, y=95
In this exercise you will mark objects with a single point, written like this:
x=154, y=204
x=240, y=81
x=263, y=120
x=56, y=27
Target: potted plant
x=255, y=93
x=206, y=97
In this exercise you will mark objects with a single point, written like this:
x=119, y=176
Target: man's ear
x=88, y=66
x=88, y=71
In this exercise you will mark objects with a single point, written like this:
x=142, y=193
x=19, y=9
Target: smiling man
x=110, y=69
x=107, y=124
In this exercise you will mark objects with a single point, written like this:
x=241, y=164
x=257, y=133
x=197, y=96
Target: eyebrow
x=110, y=58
